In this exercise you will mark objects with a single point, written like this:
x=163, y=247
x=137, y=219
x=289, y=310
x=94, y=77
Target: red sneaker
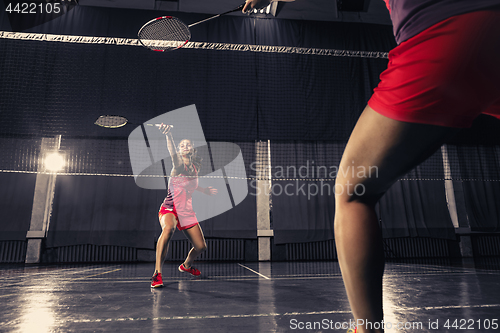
x=156, y=281
x=191, y=270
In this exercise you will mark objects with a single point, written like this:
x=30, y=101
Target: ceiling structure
x=360, y=11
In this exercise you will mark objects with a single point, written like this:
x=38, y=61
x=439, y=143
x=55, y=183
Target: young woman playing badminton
x=443, y=74
x=177, y=210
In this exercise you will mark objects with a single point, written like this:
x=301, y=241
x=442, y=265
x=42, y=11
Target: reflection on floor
x=420, y=296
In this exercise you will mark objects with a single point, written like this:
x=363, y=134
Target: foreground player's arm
x=207, y=190
x=176, y=158
x=250, y=4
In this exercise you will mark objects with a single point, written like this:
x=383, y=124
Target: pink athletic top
x=179, y=196
x=410, y=17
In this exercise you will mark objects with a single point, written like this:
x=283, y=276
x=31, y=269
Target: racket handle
x=211, y=18
x=158, y=125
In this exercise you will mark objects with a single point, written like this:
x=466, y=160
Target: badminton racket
x=117, y=121
x=168, y=33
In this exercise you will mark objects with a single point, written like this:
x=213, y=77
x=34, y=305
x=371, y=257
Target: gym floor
x=420, y=296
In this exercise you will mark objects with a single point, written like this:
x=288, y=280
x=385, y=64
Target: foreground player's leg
x=195, y=236
x=168, y=223
x=386, y=149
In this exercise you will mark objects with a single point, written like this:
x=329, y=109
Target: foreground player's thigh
x=380, y=150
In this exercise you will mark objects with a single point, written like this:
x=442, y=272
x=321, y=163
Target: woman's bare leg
x=195, y=236
x=391, y=148
x=168, y=223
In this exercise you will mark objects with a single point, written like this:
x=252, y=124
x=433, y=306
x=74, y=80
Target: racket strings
x=166, y=33
x=111, y=121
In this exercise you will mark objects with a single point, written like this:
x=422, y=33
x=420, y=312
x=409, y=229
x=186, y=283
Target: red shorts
x=186, y=222
x=446, y=75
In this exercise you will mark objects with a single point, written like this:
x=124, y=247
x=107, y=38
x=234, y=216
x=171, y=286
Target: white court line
x=436, y=267
x=251, y=270
x=445, y=269
x=62, y=271
x=392, y=274
x=93, y=279
x=452, y=307
x=93, y=269
x=242, y=278
x=55, y=270
x=256, y=315
x=247, y=278
x=84, y=277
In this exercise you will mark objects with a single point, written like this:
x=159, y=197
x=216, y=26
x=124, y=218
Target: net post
x=42, y=206
x=263, y=173
x=462, y=231
x=448, y=185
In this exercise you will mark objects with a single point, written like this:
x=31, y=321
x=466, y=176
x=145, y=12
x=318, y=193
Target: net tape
x=222, y=177
x=194, y=45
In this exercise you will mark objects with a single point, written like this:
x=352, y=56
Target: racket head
x=111, y=121
x=165, y=33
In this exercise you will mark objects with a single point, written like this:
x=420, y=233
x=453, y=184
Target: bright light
x=54, y=162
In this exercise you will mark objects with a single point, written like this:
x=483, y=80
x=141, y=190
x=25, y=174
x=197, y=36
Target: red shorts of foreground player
x=446, y=75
